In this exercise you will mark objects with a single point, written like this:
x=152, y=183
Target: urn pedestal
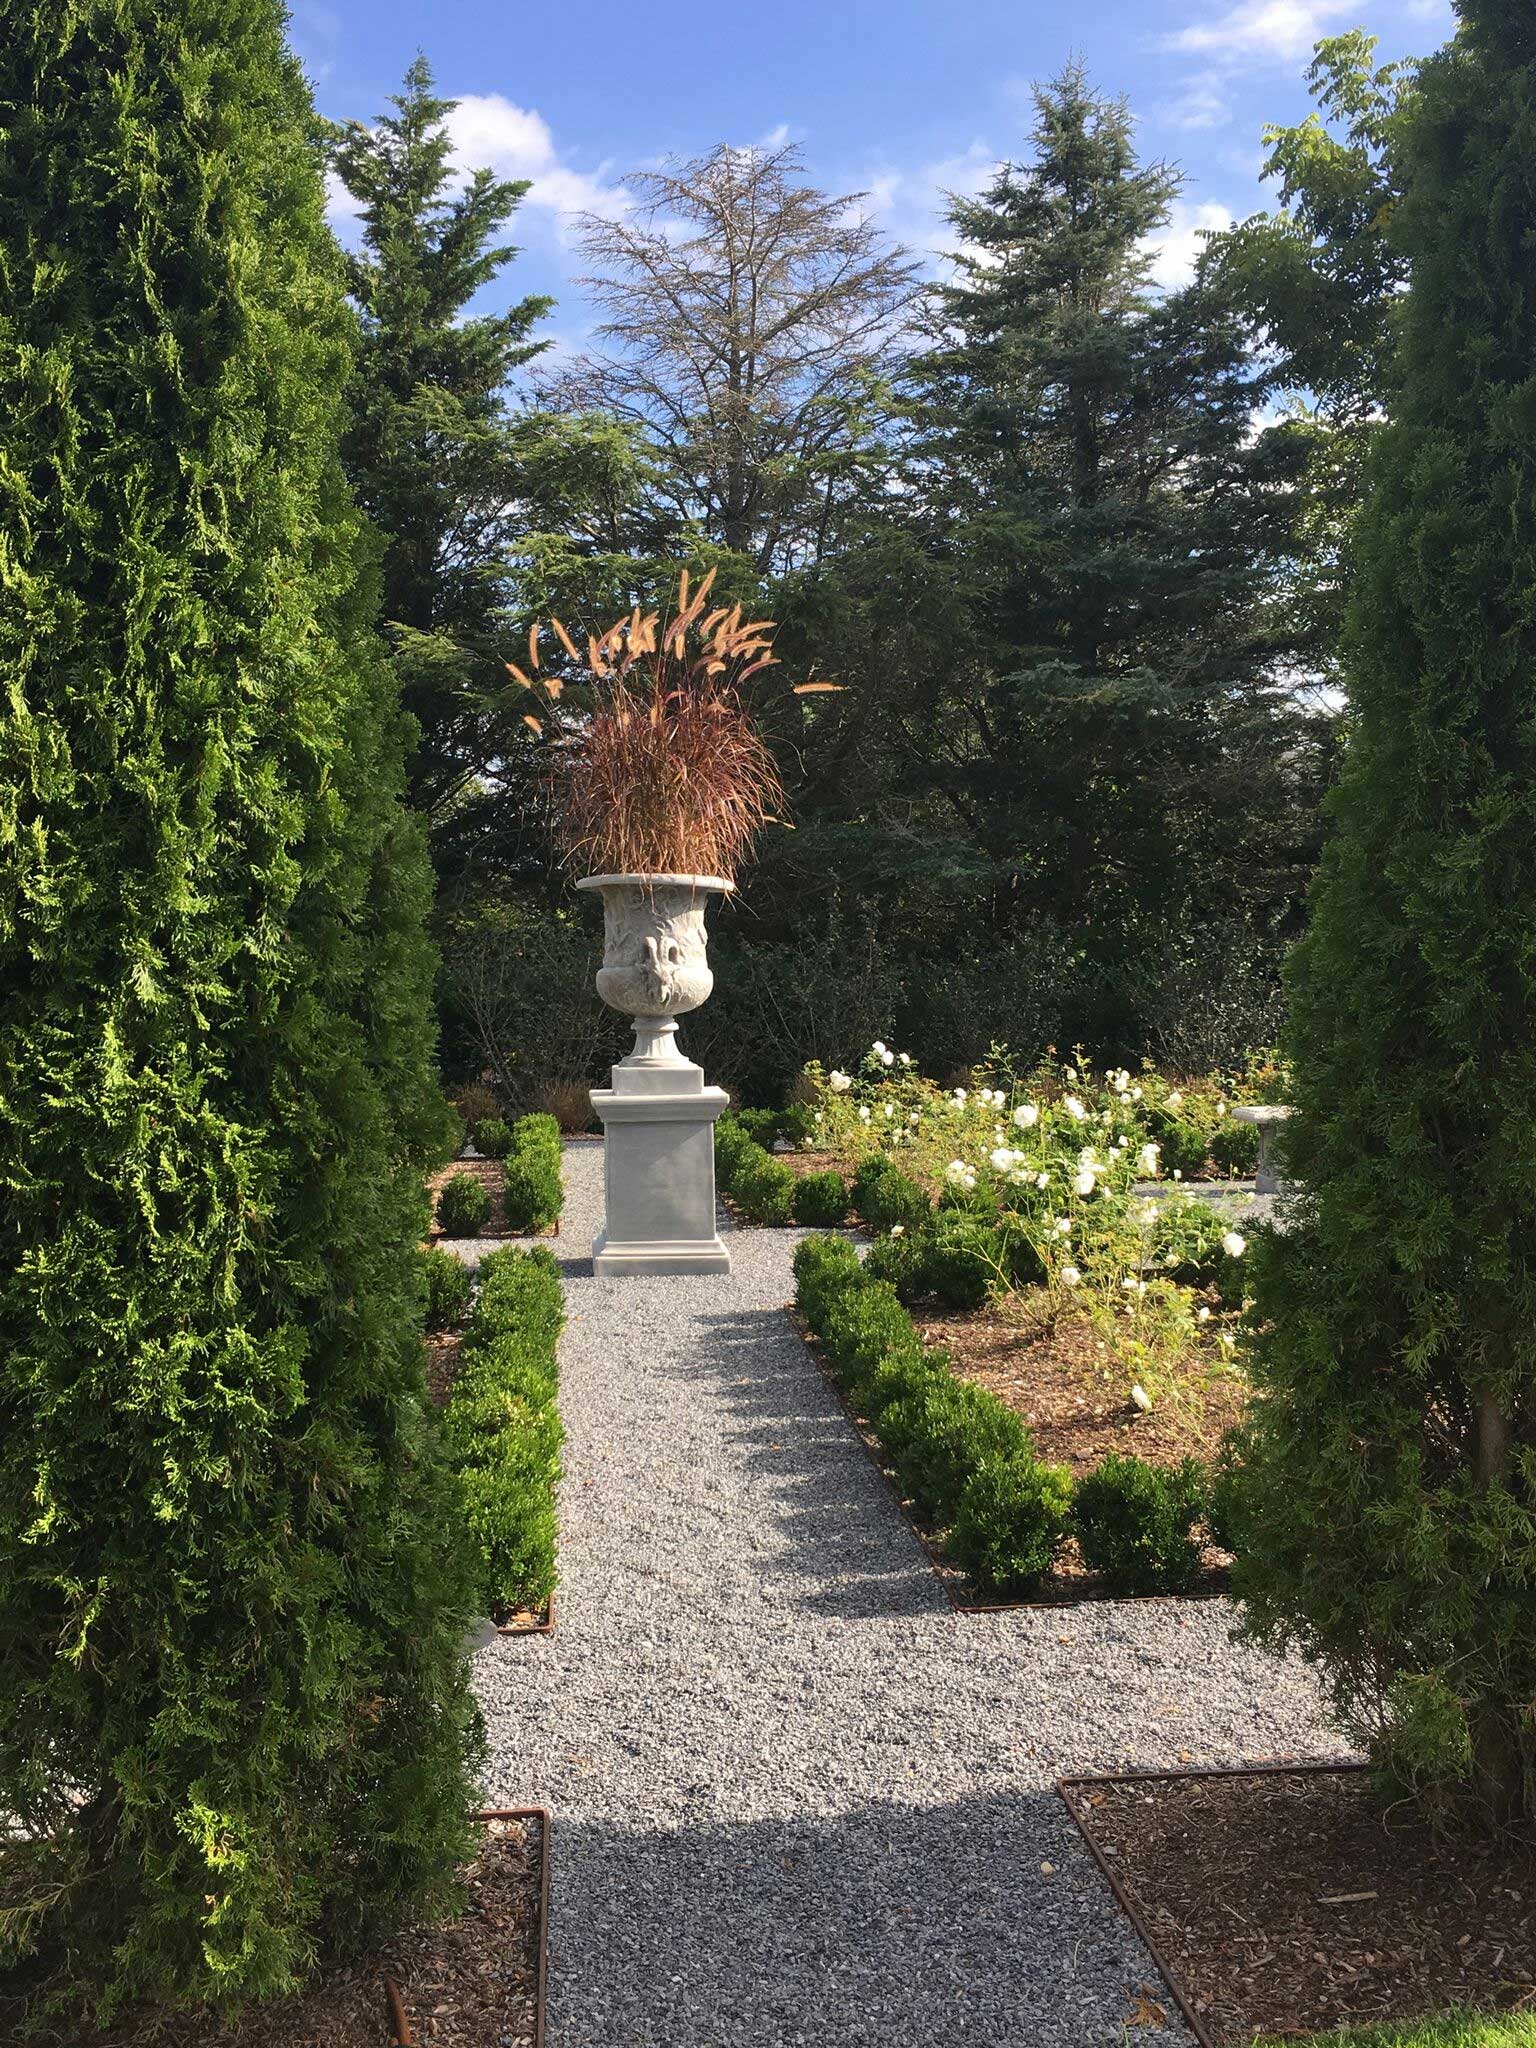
x=658, y=1116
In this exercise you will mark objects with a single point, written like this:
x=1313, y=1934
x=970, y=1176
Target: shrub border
x=460, y=1159
x=399, y=2019
x=488, y=1327
x=945, y=1571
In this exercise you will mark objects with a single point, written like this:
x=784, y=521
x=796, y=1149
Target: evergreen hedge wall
x=233, y=1715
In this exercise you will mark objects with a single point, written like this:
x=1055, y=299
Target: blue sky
x=902, y=99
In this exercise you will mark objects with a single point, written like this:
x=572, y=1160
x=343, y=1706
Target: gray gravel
x=797, y=1799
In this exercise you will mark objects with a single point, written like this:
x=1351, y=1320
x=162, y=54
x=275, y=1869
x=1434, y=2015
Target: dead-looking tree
x=750, y=322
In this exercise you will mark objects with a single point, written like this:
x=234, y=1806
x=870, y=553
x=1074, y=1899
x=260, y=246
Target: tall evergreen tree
x=234, y=1720
x=1393, y=1451
x=1118, y=687
x=451, y=472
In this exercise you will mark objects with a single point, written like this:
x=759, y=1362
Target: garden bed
x=1058, y=1374
x=1286, y=1902
x=476, y=1981
x=492, y=1176
x=1069, y=1584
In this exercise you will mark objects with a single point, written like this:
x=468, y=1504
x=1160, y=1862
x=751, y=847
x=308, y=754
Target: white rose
x=1085, y=1182
x=1234, y=1244
x=878, y=1046
x=838, y=1082
x=889, y=1110
x=1026, y=1116
x=956, y=1170
x=898, y=1230
x=1001, y=1159
x=864, y=1111
x=959, y=1095
x=1070, y=1277
x=888, y=1059
x=1176, y=1100
x=1042, y=1180
x=1148, y=1157
x=1074, y=1109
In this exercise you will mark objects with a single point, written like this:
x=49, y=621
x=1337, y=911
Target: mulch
x=1068, y=1585
x=1057, y=1374
x=1293, y=1902
x=471, y=1982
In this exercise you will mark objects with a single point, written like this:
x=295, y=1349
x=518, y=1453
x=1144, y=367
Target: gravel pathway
x=797, y=1799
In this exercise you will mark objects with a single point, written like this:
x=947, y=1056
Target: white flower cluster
x=960, y=1175
x=839, y=1082
x=1074, y=1109
x=880, y=1051
x=1026, y=1116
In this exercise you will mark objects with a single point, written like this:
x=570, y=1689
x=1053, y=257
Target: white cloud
x=1176, y=248
x=1281, y=30
x=1202, y=103
x=514, y=142
x=911, y=205
x=517, y=142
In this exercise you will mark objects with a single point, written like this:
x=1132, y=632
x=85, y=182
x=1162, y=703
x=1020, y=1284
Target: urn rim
x=715, y=884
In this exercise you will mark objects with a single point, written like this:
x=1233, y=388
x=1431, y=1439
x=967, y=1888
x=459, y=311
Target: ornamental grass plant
x=657, y=765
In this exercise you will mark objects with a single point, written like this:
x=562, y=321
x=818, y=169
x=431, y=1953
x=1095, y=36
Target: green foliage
x=446, y=1285
x=493, y=1137
x=889, y=1199
x=503, y=1431
x=1393, y=1524
x=1014, y=1515
x=1235, y=1149
x=233, y=1709
x=822, y=1200
x=1135, y=1524
x=463, y=1206
x=941, y=1433
x=535, y=1192
x=1457, y=2030
x=762, y=1187
x=1182, y=1142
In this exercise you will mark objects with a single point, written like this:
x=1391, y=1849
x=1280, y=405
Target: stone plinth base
x=659, y=1170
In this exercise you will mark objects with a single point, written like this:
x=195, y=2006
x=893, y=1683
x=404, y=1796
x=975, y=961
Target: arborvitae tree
x=234, y=1717
x=1119, y=688
x=1393, y=1451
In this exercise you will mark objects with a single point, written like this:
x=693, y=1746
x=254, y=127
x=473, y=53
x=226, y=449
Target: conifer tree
x=1085, y=461
x=1392, y=1457
x=433, y=453
x=234, y=1719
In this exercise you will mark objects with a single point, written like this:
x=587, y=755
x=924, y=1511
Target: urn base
x=659, y=1171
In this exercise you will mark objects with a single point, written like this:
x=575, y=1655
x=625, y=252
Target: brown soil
x=1058, y=1374
x=471, y=1982
x=1294, y=1903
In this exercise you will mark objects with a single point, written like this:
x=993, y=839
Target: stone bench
x=1267, y=1118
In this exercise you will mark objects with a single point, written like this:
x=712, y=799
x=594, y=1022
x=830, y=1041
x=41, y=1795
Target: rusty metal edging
x=1068, y=1787
x=863, y=1431
x=545, y=1627
x=399, y=2020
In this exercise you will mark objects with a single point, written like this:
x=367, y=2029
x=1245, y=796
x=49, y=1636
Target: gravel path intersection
x=797, y=1799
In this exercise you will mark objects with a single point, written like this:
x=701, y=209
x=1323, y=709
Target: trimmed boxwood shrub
x=820, y=1200
x=887, y=1198
x=502, y=1428
x=535, y=1192
x=446, y=1287
x=1181, y=1144
x=1235, y=1149
x=1014, y=1515
x=762, y=1187
x=463, y=1206
x=1135, y=1524
x=940, y=1433
x=493, y=1138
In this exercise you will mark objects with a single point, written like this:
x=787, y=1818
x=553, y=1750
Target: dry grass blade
x=668, y=773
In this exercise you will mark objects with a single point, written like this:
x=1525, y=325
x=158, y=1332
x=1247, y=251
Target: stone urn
x=658, y=1117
